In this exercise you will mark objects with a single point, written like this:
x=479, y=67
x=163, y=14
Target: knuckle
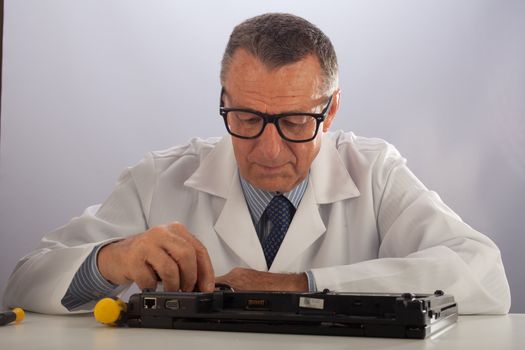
x=157, y=231
x=170, y=272
x=186, y=254
x=175, y=226
x=201, y=249
x=152, y=231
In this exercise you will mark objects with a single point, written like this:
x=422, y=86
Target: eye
x=247, y=118
x=295, y=121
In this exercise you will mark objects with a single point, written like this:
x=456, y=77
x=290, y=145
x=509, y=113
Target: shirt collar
x=258, y=199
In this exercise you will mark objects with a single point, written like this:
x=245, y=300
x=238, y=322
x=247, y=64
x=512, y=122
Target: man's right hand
x=169, y=252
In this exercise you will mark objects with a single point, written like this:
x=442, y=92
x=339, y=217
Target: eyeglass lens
x=294, y=127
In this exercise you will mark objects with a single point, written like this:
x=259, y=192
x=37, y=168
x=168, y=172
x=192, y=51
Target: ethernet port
x=150, y=303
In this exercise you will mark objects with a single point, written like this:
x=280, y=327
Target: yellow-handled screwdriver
x=110, y=311
x=17, y=315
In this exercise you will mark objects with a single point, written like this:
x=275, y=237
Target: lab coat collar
x=328, y=175
x=214, y=174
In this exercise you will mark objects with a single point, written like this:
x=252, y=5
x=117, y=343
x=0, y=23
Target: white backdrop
x=91, y=86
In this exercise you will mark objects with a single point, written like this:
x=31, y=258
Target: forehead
x=249, y=77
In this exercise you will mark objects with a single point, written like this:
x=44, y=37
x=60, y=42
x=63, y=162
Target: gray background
x=90, y=86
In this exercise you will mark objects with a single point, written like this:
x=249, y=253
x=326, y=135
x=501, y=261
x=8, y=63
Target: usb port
x=150, y=303
x=172, y=304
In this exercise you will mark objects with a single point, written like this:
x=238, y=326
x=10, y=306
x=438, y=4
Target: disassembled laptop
x=404, y=315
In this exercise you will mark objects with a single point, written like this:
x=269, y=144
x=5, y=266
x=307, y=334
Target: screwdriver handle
x=15, y=315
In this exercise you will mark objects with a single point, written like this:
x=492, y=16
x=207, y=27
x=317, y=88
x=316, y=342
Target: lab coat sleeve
x=424, y=246
x=41, y=278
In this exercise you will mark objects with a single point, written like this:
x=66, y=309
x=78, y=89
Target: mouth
x=273, y=169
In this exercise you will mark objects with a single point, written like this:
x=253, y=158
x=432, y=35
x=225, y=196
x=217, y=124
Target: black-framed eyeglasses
x=293, y=126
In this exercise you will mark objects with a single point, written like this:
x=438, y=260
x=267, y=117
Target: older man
x=281, y=204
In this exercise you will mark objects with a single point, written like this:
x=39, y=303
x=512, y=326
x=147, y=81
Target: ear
x=333, y=110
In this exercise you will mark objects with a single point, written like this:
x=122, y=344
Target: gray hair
x=278, y=39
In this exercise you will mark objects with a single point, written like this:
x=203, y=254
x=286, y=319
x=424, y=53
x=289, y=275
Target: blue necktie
x=280, y=212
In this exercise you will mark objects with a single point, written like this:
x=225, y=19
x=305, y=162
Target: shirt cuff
x=311, y=281
x=88, y=284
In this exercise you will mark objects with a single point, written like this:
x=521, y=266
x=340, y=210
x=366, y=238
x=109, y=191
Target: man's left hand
x=247, y=279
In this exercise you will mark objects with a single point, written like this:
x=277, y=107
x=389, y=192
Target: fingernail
x=211, y=286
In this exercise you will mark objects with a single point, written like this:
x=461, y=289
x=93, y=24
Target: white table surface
x=83, y=332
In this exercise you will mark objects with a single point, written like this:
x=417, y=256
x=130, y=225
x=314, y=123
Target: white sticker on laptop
x=311, y=303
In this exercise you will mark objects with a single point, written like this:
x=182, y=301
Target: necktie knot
x=279, y=212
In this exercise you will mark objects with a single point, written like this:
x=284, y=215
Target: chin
x=271, y=185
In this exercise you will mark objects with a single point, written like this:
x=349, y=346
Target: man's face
x=269, y=162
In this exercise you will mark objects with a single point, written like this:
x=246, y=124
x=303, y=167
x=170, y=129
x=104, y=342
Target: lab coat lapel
x=329, y=182
x=236, y=228
x=305, y=228
x=218, y=176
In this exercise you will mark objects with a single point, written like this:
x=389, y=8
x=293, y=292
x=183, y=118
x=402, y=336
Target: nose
x=270, y=142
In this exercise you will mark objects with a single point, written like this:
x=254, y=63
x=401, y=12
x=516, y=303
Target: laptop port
x=150, y=303
x=257, y=304
x=172, y=304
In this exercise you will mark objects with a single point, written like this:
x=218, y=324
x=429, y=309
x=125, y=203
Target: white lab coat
x=364, y=224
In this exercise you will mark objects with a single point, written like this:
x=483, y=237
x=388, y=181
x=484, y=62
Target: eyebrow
x=224, y=92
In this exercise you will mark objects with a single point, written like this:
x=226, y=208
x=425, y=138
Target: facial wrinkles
x=273, y=91
x=278, y=104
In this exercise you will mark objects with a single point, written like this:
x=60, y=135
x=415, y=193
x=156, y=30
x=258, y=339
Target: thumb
x=221, y=283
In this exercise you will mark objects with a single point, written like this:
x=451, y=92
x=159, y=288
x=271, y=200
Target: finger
x=180, y=251
x=183, y=253
x=233, y=279
x=206, y=280
x=144, y=276
x=167, y=270
x=222, y=280
x=205, y=274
